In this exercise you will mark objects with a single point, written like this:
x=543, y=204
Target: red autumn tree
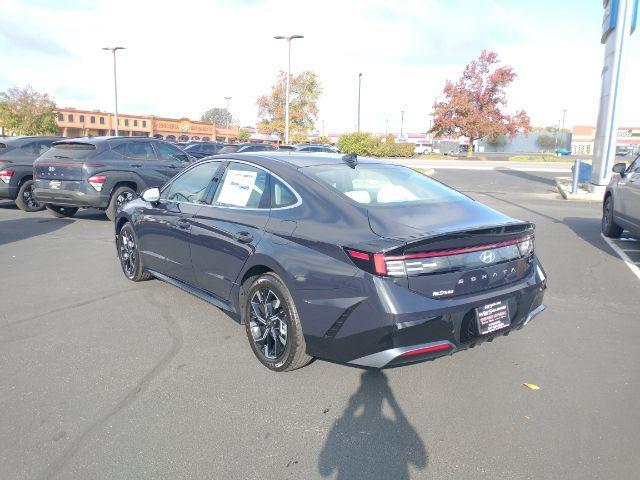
x=473, y=106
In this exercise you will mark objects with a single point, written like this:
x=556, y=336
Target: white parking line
x=625, y=258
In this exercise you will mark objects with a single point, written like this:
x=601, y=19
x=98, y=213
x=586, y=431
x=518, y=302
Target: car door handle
x=173, y=165
x=183, y=224
x=243, y=237
x=136, y=165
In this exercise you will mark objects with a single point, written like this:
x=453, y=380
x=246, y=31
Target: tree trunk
x=470, y=150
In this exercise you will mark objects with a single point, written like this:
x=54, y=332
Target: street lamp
x=286, y=121
x=564, y=114
x=226, y=139
x=115, y=82
x=359, y=85
x=401, y=123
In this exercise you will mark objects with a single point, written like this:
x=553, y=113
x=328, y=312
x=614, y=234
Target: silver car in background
x=621, y=206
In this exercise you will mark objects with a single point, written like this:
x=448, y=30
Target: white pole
x=286, y=121
x=617, y=29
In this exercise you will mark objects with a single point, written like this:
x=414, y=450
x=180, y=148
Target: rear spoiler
x=444, y=241
x=74, y=144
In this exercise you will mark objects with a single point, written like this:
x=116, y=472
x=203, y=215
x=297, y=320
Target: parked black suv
x=16, y=169
x=103, y=172
x=203, y=149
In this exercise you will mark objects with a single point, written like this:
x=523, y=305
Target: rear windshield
x=377, y=184
x=70, y=150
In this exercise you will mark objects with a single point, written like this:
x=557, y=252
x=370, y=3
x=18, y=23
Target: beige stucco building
x=80, y=123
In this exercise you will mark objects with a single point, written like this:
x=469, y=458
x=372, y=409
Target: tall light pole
x=286, y=101
x=401, y=122
x=226, y=139
x=359, y=85
x=564, y=114
x=115, y=81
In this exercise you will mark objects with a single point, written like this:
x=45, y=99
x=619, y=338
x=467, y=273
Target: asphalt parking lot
x=103, y=378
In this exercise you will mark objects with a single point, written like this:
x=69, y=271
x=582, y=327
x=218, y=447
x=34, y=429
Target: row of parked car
x=64, y=175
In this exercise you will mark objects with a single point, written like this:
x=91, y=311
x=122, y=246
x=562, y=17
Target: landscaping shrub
x=365, y=144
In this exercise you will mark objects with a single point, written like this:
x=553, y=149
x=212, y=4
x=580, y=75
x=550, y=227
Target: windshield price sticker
x=237, y=188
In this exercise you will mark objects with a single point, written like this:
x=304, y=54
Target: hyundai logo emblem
x=52, y=169
x=488, y=257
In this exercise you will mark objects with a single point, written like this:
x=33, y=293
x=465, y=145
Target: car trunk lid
x=454, y=249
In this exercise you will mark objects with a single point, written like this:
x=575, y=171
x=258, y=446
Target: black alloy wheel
x=26, y=200
x=120, y=197
x=129, y=255
x=273, y=326
x=609, y=227
x=269, y=324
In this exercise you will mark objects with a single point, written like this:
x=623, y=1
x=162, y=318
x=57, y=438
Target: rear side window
x=192, y=185
x=169, y=153
x=242, y=186
x=140, y=151
x=374, y=184
x=281, y=196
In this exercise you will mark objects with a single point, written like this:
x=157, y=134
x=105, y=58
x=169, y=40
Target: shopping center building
x=583, y=138
x=81, y=123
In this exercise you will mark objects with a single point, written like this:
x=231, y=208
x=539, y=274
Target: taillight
x=413, y=264
x=5, y=175
x=97, y=181
x=370, y=262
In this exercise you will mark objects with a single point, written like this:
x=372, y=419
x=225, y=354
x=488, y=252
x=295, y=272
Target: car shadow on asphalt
x=530, y=177
x=22, y=228
x=8, y=205
x=589, y=230
x=364, y=443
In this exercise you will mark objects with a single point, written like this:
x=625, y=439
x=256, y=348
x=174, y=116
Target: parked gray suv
x=621, y=207
x=16, y=169
x=103, y=172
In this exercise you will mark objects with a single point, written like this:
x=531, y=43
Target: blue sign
x=610, y=18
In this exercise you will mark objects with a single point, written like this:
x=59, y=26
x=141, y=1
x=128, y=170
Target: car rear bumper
x=406, y=335
x=71, y=193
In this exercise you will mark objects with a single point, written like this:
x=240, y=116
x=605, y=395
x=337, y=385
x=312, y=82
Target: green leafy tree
x=546, y=142
x=243, y=135
x=305, y=89
x=24, y=111
x=299, y=137
x=217, y=115
x=323, y=139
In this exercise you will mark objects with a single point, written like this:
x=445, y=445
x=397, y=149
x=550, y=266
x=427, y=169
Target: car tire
x=269, y=296
x=26, y=200
x=60, y=211
x=609, y=227
x=120, y=196
x=129, y=255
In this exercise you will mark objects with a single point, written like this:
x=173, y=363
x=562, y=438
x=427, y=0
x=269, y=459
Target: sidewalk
x=553, y=167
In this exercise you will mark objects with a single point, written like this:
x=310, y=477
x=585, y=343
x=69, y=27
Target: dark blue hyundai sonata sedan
x=337, y=257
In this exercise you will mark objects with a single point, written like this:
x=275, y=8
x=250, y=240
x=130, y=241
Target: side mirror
x=151, y=195
x=620, y=168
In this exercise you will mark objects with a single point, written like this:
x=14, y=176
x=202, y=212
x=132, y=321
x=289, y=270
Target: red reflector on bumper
x=431, y=348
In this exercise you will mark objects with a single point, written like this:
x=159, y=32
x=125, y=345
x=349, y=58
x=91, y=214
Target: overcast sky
x=184, y=57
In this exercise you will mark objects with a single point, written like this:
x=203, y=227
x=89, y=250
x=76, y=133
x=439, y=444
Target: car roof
x=108, y=139
x=21, y=138
x=301, y=159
